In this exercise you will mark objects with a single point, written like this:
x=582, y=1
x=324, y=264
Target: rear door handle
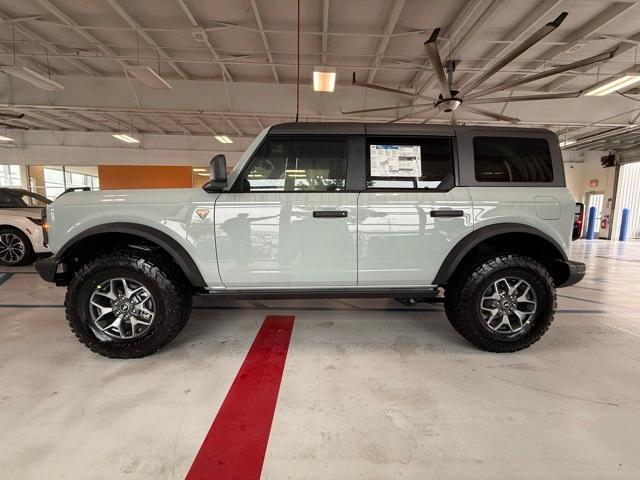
x=330, y=214
x=447, y=213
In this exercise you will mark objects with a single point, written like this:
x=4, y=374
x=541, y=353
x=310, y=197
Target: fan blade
x=380, y=109
x=431, y=116
x=514, y=53
x=452, y=119
x=436, y=63
x=548, y=73
x=11, y=115
x=523, y=98
x=387, y=89
x=411, y=114
x=10, y=125
x=495, y=116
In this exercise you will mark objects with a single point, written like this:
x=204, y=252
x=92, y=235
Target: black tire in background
x=8, y=234
x=463, y=297
x=171, y=301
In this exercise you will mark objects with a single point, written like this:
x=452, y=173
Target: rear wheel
x=502, y=304
x=15, y=248
x=127, y=305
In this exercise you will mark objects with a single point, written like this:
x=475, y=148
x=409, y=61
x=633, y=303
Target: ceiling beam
x=68, y=21
x=608, y=14
x=31, y=35
x=389, y=26
x=206, y=126
x=263, y=36
x=161, y=52
x=461, y=19
x=235, y=127
x=51, y=119
x=531, y=18
x=620, y=48
x=89, y=123
x=194, y=23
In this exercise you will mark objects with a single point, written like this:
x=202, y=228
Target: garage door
x=628, y=197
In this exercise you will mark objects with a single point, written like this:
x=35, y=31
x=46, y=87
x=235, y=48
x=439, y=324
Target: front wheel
x=502, y=304
x=127, y=305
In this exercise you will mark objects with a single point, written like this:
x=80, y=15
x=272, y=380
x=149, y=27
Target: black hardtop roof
x=362, y=128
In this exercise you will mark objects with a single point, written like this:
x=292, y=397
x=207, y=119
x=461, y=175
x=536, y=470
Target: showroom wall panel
x=113, y=177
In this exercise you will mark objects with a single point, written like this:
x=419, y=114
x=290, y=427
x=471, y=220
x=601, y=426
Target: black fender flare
x=464, y=246
x=163, y=240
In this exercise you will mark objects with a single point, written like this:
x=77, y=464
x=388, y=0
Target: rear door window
x=413, y=163
x=512, y=159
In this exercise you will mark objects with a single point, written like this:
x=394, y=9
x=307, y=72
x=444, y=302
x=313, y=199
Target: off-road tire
x=29, y=254
x=165, y=282
x=463, y=293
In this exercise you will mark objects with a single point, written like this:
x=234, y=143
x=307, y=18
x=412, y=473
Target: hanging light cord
x=298, y=79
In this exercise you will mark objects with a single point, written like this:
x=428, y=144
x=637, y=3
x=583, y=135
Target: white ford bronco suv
x=329, y=210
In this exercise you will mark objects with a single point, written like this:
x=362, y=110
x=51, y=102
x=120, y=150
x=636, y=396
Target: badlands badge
x=202, y=212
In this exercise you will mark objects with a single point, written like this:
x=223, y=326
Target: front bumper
x=568, y=272
x=52, y=270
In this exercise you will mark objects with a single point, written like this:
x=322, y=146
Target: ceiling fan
x=10, y=115
x=469, y=95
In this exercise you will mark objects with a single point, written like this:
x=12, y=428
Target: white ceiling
x=232, y=63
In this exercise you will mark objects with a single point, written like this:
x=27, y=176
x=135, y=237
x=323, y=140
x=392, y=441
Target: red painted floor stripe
x=236, y=443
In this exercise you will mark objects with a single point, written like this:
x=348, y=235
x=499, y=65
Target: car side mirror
x=218, y=172
x=218, y=169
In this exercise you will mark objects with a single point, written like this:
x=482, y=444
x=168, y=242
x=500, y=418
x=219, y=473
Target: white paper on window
x=395, y=161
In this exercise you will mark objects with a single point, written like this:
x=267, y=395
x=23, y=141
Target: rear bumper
x=568, y=272
x=48, y=268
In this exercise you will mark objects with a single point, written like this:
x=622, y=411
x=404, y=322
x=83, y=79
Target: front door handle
x=446, y=213
x=330, y=214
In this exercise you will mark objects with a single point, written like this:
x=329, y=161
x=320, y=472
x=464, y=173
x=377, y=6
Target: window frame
x=408, y=138
x=467, y=175
x=352, y=151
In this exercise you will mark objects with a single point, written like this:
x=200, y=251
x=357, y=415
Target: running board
x=401, y=294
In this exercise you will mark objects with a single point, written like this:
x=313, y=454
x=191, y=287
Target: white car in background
x=21, y=236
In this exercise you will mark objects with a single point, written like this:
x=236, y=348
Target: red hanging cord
x=298, y=79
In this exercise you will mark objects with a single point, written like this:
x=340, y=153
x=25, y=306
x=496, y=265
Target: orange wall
x=113, y=177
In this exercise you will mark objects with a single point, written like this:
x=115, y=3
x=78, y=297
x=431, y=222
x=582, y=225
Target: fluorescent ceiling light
x=34, y=78
x=200, y=170
x=5, y=139
x=203, y=174
x=147, y=76
x=223, y=139
x=614, y=85
x=125, y=138
x=566, y=143
x=324, y=79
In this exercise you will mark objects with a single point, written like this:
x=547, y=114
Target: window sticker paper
x=395, y=161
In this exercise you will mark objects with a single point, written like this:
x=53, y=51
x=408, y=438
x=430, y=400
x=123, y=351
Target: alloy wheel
x=121, y=309
x=12, y=248
x=508, y=306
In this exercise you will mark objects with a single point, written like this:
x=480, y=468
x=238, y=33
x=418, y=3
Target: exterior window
x=419, y=163
x=510, y=159
x=10, y=176
x=298, y=165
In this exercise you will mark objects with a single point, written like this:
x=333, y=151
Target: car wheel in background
x=15, y=248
